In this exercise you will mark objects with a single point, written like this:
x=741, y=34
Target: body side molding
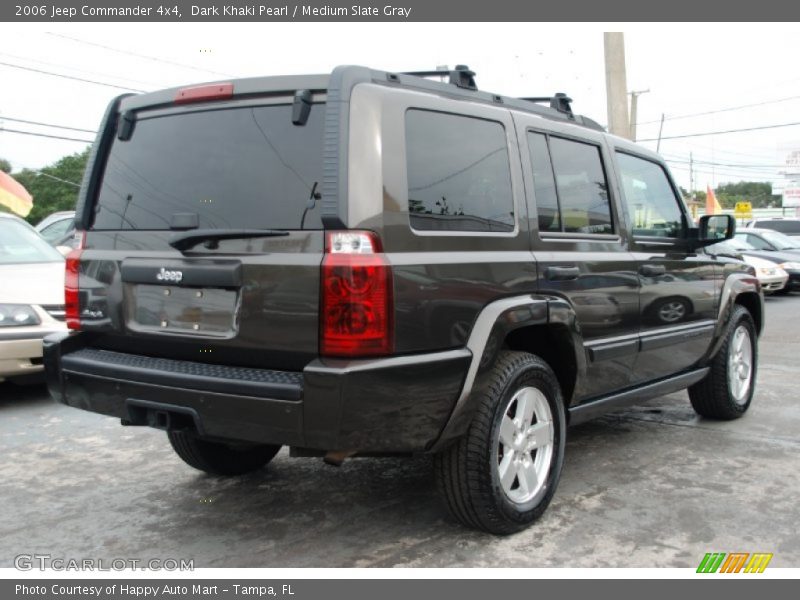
x=595, y=408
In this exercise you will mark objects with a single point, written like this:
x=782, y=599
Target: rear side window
x=570, y=186
x=459, y=177
x=247, y=167
x=544, y=184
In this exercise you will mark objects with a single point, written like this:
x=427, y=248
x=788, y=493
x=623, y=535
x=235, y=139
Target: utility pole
x=660, y=131
x=634, y=111
x=616, y=85
x=691, y=177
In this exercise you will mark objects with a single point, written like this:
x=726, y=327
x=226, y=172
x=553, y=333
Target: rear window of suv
x=788, y=227
x=247, y=167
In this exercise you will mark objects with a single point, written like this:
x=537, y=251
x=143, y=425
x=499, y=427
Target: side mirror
x=713, y=229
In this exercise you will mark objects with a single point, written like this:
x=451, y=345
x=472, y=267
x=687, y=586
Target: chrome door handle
x=562, y=273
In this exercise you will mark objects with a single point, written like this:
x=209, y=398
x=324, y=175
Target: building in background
x=791, y=181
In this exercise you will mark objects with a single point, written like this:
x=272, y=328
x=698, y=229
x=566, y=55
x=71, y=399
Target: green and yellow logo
x=735, y=562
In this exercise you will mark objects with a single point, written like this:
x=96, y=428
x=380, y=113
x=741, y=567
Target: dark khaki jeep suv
x=369, y=263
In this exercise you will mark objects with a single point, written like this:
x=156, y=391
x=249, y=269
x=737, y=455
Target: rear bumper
x=397, y=404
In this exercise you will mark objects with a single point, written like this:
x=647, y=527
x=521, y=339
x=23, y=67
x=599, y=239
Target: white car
x=770, y=274
x=771, y=277
x=31, y=297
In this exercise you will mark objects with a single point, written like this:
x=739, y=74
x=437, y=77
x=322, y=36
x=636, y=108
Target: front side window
x=570, y=186
x=652, y=204
x=755, y=241
x=459, y=175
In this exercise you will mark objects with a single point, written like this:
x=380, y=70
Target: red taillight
x=216, y=91
x=72, y=304
x=357, y=307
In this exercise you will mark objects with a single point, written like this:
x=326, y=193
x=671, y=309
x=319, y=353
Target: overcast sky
x=688, y=69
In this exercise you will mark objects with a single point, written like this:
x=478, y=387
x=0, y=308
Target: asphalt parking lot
x=650, y=486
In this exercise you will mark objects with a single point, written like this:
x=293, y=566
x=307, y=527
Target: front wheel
x=221, y=458
x=726, y=392
x=501, y=475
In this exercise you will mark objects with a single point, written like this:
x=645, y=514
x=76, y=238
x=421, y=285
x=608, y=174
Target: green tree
x=699, y=195
x=758, y=193
x=5, y=166
x=54, y=187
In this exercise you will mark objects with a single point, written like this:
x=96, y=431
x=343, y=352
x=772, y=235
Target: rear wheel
x=221, y=458
x=501, y=475
x=726, y=392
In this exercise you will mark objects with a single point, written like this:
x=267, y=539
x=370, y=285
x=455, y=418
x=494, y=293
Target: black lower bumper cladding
x=398, y=404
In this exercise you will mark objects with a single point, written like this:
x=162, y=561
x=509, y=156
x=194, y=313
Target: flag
x=712, y=206
x=14, y=196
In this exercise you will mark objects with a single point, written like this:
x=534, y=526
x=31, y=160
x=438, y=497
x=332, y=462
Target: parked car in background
x=769, y=239
x=58, y=228
x=789, y=226
x=771, y=276
x=788, y=259
x=31, y=297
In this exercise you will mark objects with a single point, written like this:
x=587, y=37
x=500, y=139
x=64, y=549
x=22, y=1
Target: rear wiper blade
x=184, y=241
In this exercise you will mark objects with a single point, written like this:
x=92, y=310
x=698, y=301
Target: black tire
x=220, y=458
x=467, y=472
x=714, y=396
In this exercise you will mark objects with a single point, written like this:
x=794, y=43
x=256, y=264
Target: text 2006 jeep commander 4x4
x=369, y=263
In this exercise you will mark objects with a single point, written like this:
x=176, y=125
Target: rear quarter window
x=459, y=176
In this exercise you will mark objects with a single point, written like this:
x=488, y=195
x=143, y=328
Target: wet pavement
x=650, y=486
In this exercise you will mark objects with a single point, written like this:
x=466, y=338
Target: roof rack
x=461, y=76
x=559, y=105
x=560, y=102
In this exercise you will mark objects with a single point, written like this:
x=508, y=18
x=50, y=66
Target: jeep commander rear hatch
x=203, y=232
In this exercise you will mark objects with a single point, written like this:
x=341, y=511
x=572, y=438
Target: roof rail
x=560, y=102
x=461, y=76
x=559, y=105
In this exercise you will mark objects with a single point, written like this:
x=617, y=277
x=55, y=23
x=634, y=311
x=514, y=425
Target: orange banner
x=14, y=196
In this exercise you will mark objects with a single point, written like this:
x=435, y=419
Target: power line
x=692, y=145
x=55, y=137
x=43, y=174
x=70, y=68
x=682, y=159
x=689, y=135
x=4, y=118
x=720, y=110
x=725, y=166
x=111, y=85
x=727, y=173
x=153, y=58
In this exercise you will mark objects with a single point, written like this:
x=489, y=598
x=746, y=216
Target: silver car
x=31, y=297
